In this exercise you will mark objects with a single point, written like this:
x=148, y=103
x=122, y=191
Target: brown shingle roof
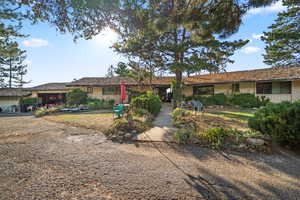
x=13, y=92
x=269, y=74
x=50, y=86
x=104, y=81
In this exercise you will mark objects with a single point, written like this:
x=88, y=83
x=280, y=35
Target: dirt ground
x=46, y=160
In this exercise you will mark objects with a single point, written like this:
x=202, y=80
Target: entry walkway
x=163, y=128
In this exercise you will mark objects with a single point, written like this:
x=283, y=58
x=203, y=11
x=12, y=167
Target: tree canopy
x=283, y=41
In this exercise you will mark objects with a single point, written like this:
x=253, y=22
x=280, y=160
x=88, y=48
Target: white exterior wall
x=277, y=98
x=248, y=87
x=296, y=90
x=223, y=88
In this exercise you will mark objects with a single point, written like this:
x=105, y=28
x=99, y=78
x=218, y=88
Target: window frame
x=89, y=90
x=196, y=87
x=115, y=90
x=281, y=89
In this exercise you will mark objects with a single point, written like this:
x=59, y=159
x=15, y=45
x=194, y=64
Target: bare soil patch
x=100, y=122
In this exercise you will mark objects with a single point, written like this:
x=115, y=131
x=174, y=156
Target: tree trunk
x=10, y=74
x=177, y=92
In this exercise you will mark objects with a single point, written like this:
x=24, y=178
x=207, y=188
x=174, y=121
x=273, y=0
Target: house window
x=235, y=88
x=111, y=90
x=284, y=87
x=264, y=88
x=89, y=90
x=203, y=90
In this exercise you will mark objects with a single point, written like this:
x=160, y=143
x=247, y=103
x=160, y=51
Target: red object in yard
x=123, y=91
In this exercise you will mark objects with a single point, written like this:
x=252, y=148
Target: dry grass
x=100, y=122
x=205, y=121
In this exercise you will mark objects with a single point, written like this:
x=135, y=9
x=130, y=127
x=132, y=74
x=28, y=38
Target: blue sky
x=54, y=57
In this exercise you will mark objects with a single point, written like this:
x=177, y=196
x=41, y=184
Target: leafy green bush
x=242, y=100
x=76, y=97
x=148, y=101
x=281, y=121
x=45, y=111
x=248, y=100
x=220, y=99
x=215, y=136
x=97, y=104
x=182, y=136
x=29, y=101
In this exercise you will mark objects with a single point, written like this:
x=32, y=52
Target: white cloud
x=35, y=42
x=106, y=37
x=257, y=36
x=275, y=7
x=251, y=49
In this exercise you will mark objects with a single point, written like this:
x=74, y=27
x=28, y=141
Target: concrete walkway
x=163, y=128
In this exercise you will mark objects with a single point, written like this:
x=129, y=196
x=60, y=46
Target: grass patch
x=100, y=122
x=242, y=115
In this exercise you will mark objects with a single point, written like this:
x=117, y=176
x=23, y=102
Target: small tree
x=76, y=97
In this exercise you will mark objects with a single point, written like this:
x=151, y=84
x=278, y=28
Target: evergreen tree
x=283, y=41
x=110, y=72
x=121, y=69
x=12, y=65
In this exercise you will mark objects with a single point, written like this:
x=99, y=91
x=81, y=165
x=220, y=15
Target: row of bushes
x=281, y=121
x=97, y=104
x=241, y=100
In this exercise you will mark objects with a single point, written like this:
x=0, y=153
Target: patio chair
x=118, y=110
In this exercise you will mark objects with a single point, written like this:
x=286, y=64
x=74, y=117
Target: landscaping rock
x=128, y=136
x=195, y=140
x=121, y=133
x=254, y=141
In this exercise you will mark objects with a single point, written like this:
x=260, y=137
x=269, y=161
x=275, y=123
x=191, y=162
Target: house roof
x=13, y=92
x=269, y=74
x=50, y=86
x=104, y=81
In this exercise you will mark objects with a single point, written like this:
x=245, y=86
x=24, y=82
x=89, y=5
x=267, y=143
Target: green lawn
x=242, y=114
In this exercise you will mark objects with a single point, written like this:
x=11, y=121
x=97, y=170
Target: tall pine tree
x=12, y=65
x=283, y=41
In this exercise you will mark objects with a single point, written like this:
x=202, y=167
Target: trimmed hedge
x=148, y=101
x=29, y=101
x=281, y=121
x=97, y=104
x=241, y=100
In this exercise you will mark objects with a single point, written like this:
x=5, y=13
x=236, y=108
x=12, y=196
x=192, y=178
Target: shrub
x=76, y=97
x=179, y=112
x=248, y=100
x=281, y=121
x=29, y=101
x=148, y=101
x=220, y=99
x=45, y=111
x=96, y=105
x=215, y=136
x=182, y=136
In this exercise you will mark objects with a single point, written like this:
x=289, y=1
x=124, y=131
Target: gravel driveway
x=44, y=160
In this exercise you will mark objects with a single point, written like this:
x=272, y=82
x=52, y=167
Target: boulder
x=254, y=141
